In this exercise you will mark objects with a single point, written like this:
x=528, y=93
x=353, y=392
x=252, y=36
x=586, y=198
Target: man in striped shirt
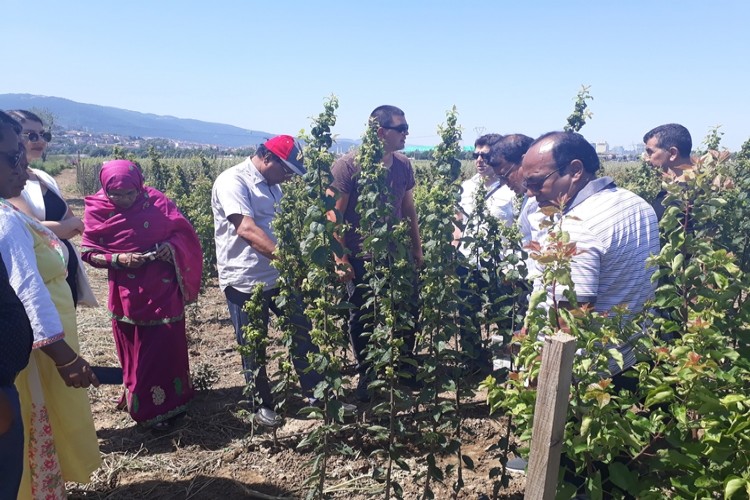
x=614, y=230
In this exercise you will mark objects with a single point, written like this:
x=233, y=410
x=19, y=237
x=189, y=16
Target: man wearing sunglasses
x=499, y=203
x=392, y=131
x=615, y=230
x=498, y=196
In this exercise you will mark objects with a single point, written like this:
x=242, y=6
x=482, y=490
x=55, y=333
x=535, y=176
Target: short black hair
x=22, y=116
x=384, y=114
x=511, y=148
x=671, y=135
x=569, y=146
x=487, y=140
x=6, y=119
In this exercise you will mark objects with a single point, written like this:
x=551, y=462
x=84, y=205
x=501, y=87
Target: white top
x=499, y=199
x=529, y=221
x=616, y=231
x=244, y=191
x=17, y=249
x=33, y=196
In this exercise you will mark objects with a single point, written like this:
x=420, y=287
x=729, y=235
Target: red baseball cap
x=288, y=150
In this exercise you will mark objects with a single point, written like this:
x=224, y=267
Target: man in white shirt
x=245, y=200
x=500, y=203
x=615, y=230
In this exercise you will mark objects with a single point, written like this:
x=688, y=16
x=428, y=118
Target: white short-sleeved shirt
x=616, y=231
x=244, y=191
x=500, y=202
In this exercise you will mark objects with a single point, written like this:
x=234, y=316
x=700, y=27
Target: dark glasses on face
x=34, y=136
x=399, y=128
x=537, y=184
x=484, y=156
x=15, y=159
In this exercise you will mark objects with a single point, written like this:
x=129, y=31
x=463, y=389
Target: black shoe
x=268, y=418
x=361, y=392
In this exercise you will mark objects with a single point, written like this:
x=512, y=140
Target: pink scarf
x=152, y=219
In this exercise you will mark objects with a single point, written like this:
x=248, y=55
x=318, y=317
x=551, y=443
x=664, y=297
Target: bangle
x=114, y=262
x=68, y=364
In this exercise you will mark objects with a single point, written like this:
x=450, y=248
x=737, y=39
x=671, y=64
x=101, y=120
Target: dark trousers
x=469, y=309
x=360, y=326
x=301, y=344
x=11, y=448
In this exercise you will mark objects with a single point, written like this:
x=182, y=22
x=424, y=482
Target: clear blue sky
x=507, y=66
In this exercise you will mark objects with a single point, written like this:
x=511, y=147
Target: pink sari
x=147, y=303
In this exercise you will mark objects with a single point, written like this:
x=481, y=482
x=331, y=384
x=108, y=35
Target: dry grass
x=218, y=453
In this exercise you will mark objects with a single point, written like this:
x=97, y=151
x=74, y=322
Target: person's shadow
x=199, y=487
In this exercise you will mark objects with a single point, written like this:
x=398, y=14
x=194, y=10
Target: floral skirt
x=155, y=369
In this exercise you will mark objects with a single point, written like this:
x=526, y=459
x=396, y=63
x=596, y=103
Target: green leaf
x=732, y=484
x=320, y=256
x=677, y=262
x=623, y=478
x=659, y=395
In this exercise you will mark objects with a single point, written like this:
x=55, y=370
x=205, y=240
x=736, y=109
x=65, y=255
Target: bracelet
x=114, y=262
x=68, y=364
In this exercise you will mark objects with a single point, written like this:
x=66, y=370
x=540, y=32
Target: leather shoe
x=267, y=418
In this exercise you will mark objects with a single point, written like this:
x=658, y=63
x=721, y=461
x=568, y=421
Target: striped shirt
x=615, y=231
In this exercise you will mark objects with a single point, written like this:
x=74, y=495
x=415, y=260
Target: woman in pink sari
x=154, y=260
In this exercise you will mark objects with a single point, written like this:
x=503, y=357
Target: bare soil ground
x=218, y=453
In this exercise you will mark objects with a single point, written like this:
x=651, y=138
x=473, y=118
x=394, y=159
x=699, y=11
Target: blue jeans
x=301, y=345
x=11, y=448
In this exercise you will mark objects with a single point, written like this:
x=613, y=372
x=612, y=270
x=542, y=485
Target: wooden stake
x=550, y=414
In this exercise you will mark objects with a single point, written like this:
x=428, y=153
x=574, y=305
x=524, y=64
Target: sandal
x=163, y=426
x=168, y=424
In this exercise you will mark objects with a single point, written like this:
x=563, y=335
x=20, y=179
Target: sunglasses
x=536, y=184
x=401, y=129
x=15, y=159
x=34, y=136
x=484, y=156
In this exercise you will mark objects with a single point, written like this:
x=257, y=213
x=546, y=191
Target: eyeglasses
x=536, y=184
x=32, y=136
x=401, y=129
x=485, y=156
x=15, y=159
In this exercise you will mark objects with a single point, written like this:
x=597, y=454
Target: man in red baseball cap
x=245, y=200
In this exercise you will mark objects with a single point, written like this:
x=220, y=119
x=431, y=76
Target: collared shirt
x=499, y=199
x=243, y=190
x=615, y=231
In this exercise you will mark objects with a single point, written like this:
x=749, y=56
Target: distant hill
x=71, y=115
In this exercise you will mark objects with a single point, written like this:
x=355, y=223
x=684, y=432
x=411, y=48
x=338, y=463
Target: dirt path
x=216, y=454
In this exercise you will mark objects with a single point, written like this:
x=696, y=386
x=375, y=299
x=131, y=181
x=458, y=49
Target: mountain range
x=92, y=118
